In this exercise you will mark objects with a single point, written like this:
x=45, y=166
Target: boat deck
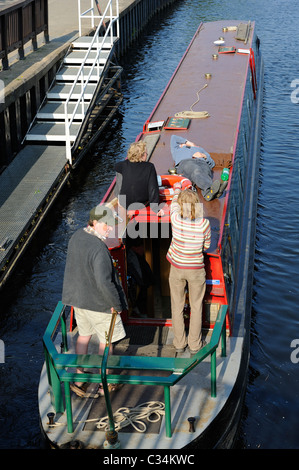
x=156, y=342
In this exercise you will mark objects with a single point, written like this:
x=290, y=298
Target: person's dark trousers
x=197, y=171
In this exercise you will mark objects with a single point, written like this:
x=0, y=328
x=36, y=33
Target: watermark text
x=295, y=352
x=295, y=93
x=147, y=221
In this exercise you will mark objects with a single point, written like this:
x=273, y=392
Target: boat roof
x=222, y=98
x=220, y=95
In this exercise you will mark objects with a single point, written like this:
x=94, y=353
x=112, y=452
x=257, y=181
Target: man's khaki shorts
x=90, y=322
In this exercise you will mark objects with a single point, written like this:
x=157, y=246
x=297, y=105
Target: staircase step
x=54, y=110
x=78, y=56
x=52, y=132
x=69, y=73
x=62, y=91
x=85, y=41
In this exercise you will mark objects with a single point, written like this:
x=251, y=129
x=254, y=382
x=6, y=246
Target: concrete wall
x=24, y=94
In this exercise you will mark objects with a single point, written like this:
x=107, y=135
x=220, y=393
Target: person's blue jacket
x=183, y=153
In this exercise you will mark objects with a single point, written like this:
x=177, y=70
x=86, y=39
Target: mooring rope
x=150, y=411
x=194, y=114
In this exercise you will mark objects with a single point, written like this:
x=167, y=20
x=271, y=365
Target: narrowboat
x=169, y=399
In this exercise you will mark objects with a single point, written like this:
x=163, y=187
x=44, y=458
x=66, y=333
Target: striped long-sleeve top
x=189, y=239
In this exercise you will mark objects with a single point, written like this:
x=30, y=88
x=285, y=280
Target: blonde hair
x=190, y=206
x=136, y=151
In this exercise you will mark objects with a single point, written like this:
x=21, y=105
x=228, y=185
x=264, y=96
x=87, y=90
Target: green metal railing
x=111, y=434
x=58, y=364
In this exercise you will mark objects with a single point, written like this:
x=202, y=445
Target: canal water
x=271, y=408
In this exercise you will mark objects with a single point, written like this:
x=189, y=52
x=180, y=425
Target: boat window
x=228, y=263
x=233, y=223
x=240, y=183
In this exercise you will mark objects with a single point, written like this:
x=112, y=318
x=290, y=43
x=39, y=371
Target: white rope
x=57, y=424
x=150, y=411
x=194, y=114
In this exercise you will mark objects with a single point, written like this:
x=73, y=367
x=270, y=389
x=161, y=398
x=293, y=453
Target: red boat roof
x=220, y=95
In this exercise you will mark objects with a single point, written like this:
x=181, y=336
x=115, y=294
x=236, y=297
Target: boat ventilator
x=58, y=365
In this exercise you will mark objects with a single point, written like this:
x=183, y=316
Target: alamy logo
x=295, y=352
x=294, y=94
x=2, y=352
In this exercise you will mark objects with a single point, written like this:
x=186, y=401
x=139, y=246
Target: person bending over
x=196, y=164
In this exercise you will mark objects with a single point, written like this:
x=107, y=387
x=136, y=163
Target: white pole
x=79, y=15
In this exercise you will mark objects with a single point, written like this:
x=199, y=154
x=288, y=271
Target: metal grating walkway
x=24, y=186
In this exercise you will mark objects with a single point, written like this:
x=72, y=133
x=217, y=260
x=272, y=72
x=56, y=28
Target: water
x=271, y=406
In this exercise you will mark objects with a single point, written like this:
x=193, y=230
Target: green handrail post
x=47, y=360
x=63, y=332
x=56, y=396
x=111, y=435
x=223, y=341
x=68, y=406
x=105, y=387
x=167, y=411
x=213, y=374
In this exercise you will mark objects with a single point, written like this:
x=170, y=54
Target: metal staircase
x=82, y=82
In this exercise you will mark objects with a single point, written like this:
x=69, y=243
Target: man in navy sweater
x=92, y=286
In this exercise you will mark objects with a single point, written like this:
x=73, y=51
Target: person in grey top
x=196, y=164
x=92, y=286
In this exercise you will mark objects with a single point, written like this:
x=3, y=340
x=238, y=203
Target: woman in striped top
x=191, y=234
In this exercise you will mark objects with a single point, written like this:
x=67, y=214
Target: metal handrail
x=56, y=365
x=80, y=79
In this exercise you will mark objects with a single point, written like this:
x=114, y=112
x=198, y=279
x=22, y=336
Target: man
x=91, y=285
x=196, y=164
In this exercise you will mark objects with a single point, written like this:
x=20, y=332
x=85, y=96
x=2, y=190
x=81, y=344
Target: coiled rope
x=150, y=411
x=194, y=114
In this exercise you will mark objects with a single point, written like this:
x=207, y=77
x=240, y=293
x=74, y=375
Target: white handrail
x=80, y=79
